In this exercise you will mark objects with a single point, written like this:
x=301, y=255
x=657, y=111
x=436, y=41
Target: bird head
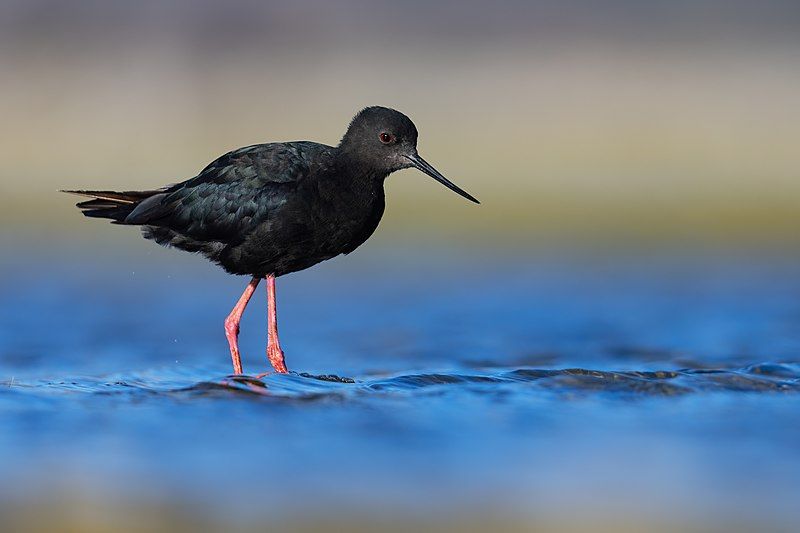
x=385, y=140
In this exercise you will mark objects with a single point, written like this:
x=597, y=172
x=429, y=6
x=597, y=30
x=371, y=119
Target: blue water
x=425, y=383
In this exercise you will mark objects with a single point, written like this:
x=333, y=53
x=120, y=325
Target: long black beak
x=419, y=163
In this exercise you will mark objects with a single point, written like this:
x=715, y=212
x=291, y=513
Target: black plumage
x=271, y=209
x=276, y=208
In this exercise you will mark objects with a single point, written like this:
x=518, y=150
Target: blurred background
x=617, y=120
x=637, y=164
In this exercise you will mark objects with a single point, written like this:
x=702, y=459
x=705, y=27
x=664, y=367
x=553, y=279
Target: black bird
x=270, y=209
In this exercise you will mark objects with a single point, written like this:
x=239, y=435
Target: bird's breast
x=349, y=219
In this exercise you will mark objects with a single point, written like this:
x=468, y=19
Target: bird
x=271, y=209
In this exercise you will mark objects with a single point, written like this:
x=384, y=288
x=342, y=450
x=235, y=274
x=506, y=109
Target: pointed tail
x=111, y=204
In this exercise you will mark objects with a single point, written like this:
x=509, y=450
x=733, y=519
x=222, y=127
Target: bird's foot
x=269, y=373
x=275, y=355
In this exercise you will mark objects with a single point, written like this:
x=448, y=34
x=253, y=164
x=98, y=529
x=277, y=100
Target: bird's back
x=231, y=195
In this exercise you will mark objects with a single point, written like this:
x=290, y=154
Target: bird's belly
x=261, y=261
x=294, y=247
x=299, y=237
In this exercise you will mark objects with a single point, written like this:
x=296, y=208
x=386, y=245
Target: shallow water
x=656, y=388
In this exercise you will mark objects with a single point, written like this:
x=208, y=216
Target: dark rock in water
x=327, y=377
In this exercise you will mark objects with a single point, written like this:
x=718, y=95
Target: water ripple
x=757, y=378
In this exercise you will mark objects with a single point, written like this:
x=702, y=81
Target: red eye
x=386, y=138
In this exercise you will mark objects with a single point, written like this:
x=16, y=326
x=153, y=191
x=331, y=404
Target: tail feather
x=111, y=204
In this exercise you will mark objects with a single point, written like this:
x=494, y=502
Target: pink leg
x=274, y=352
x=232, y=324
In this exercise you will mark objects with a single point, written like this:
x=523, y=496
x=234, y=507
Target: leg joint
x=231, y=327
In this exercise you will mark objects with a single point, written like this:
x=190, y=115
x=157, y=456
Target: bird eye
x=386, y=138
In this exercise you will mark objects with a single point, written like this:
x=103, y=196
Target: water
x=526, y=389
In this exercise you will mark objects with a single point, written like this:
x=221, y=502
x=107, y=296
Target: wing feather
x=232, y=195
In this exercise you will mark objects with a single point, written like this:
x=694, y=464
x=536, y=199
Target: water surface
x=532, y=389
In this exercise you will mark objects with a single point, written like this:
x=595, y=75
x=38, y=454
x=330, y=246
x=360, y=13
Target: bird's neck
x=358, y=171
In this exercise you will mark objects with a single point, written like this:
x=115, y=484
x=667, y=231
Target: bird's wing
x=231, y=195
